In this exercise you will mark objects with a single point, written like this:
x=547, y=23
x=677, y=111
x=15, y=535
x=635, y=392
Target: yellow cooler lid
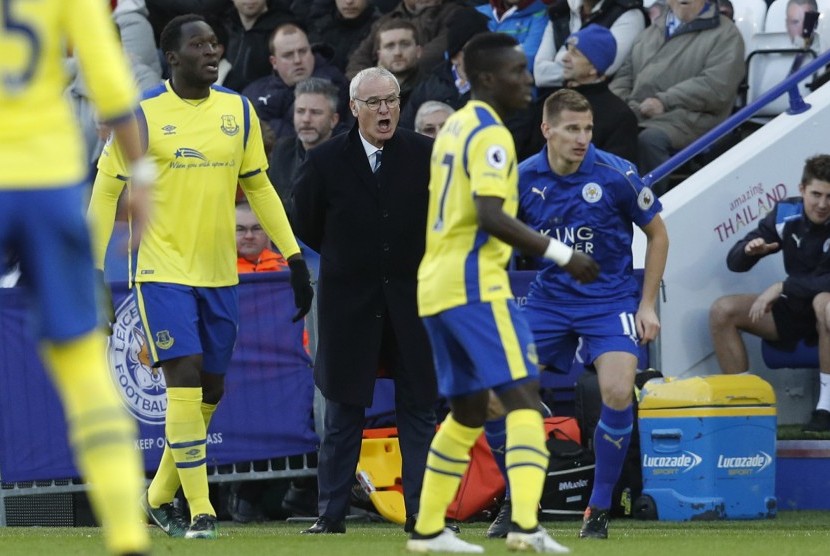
x=715, y=390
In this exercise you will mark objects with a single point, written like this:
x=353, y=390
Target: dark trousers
x=340, y=450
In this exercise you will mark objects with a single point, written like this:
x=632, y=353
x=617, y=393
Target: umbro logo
x=169, y=129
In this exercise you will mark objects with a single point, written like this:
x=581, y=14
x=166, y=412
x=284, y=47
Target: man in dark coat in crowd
x=293, y=60
x=343, y=28
x=249, y=25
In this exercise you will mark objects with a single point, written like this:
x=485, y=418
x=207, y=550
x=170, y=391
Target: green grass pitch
x=791, y=533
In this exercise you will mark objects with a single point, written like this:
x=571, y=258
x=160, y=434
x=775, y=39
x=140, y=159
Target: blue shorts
x=184, y=320
x=480, y=346
x=47, y=230
x=604, y=327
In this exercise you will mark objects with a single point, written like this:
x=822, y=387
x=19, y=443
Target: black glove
x=107, y=309
x=301, y=285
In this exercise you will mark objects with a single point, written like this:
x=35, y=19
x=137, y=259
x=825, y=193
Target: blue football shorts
x=185, y=320
x=604, y=327
x=480, y=346
x=47, y=229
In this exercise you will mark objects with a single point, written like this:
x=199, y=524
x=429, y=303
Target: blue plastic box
x=708, y=449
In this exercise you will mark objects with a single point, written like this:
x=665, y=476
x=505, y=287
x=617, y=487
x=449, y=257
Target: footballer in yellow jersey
x=42, y=195
x=202, y=149
x=40, y=136
x=204, y=140
x=480, y=341
x=473, y=156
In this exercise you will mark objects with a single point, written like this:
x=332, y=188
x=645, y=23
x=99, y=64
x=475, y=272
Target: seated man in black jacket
x=796, y=308
x=342, y=26
x=447, y=83
x=315, y=117
x=293, y=60
x=249, y=25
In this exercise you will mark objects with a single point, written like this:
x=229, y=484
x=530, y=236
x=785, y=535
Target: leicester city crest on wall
x=141, y=386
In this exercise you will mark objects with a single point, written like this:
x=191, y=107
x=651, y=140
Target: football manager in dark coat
x=360, y=200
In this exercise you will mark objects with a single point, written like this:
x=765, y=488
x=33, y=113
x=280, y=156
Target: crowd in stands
x=676, y=65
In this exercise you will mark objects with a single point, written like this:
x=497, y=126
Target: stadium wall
x=705, y=215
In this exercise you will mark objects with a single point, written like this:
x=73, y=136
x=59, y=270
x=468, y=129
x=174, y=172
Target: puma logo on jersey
x=264, y=100
x=539, y=192
x=617, y=442
x=797, y=241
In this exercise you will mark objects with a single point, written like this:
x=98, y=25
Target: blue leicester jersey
x=593, y=211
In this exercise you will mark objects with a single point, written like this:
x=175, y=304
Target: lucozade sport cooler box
x=708, y=448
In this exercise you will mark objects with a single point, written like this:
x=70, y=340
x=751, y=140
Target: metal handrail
x=797, y=105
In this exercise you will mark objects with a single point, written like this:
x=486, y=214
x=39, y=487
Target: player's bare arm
x=657, y=249
x=763, y=303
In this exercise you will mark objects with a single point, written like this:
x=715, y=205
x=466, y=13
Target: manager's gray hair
x=372, y=73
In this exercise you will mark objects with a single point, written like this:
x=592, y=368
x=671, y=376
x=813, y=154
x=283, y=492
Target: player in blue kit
x=480, y=341
x=43, y=188
x=589, y=199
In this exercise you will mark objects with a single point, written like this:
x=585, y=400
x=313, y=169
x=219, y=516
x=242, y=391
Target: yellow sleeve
x=101, y=213
x=253, y=159
x=112, y=161
x=105, y=67
x=491, y=159
x=269, y=211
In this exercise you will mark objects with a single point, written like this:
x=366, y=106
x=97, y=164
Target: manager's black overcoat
x=369, y=230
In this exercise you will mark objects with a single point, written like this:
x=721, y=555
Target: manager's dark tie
x=378, y=156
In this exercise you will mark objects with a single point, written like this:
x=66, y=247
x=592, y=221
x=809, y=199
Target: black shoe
x=409, y=525
x=167, y=517
x=242, y=509
x=202, y=527
x=501, y=525
x=325, y=525
x=594, y=524
x=300, y=500
x=819, y=422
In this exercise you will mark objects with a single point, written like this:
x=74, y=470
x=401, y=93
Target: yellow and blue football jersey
x=41, y=143
x=202, y=149
x=473, y=155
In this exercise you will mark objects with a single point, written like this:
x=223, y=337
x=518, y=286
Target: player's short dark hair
x=565, y=99
x=481, y=52
x=170, y=39
x=816, y=168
